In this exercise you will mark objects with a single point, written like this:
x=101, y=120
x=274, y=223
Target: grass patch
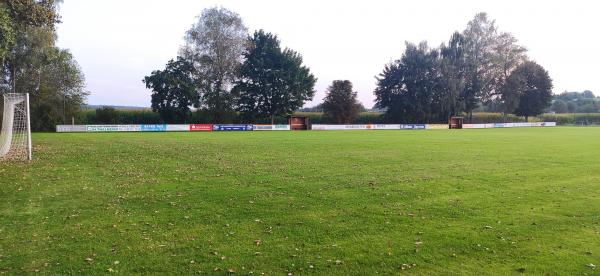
x=493, y=201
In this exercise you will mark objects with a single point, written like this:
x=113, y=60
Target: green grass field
x=495, y=201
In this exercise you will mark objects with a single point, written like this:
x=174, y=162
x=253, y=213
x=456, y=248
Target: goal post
x=15, y=136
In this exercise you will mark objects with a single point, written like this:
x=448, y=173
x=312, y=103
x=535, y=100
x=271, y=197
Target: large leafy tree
x=480, y=79
x=214, y=45
x=560, y=106
x=7, y=34
x=34, y=13
x=27, y=38
x=173, y=91
x=341, y=104
x=273, y=81
x=534, y=87
x=508, y=55
x=33, y=64
x=409, y=88
x=453, y=69
x=511, y=92
x=490, y=57
x=60, y=91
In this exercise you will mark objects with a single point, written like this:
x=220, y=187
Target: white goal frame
x=15, y=136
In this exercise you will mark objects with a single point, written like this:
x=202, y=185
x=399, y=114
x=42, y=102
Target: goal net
x=15, y=138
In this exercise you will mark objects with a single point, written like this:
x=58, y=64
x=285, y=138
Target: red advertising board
x=201, y=127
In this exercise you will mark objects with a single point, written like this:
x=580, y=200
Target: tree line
x=575, y=102
x=221, y=70
x=32, y=63
x=480, y=65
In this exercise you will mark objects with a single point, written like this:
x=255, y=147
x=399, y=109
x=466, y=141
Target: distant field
x=494, y=201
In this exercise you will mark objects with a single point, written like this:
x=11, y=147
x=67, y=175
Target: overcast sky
x=118, y=42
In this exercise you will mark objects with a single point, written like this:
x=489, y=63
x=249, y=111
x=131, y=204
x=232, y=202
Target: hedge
x=573, y=118
x=124, y=116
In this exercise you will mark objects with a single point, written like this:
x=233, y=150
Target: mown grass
x=494, y=201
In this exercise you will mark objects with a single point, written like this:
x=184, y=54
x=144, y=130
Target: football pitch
x=491, y=201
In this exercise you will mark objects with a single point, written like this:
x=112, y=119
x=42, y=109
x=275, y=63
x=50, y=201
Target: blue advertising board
x=413, y=126
x=153, y=127
x=233, y=127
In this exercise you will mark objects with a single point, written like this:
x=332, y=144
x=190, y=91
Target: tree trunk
x=471, y=117
x=526, y=118
x=272, y=119
x=14, y=80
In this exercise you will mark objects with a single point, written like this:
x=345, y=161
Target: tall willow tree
x=214, y=45
x=490, y=57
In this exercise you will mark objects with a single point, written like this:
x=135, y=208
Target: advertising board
x=233, y=127
x=438, y=126
x=368, y=127
x=153, y=127
x=271, y=127
x=178, y=128
x=70, y=128
x=200, y=127
x=112, y=128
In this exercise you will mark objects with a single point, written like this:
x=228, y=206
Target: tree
x=409, y=88
x=480, y=80
x=572, y=107
x=587, y=94
x=214, y=45
x=508, y=55
x=490, y=58
x=107, y=115
x=7, y=35
x=25, y=38
x=511, y=92
x=33, y=64
x=560, y=106
x=453, y=68
x=340, y=104
x=535, y=89
x=273, y=82
x=173, y=91
x=34, y=13
x=59, y=94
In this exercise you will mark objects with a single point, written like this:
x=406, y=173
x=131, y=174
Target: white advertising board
x=437, y=126
x=368, y=127
x=178, y=127
x=70, y=128
x=271, y=127
x=510, y=125
x=112, y=128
